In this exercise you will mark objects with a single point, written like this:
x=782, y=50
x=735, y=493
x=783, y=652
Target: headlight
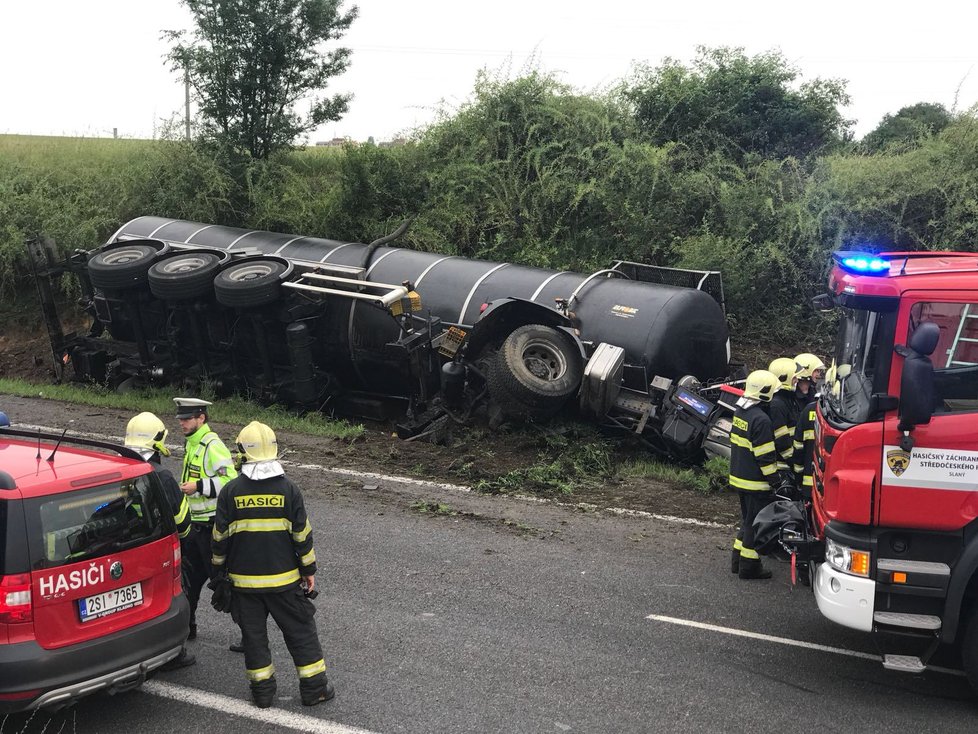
x=846, y=559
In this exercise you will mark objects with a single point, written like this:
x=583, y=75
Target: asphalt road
x=503, y=615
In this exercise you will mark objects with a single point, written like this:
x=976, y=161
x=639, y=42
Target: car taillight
x=15, y=598
x=177, y=571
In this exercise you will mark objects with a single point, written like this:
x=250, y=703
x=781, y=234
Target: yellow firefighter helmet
x=257, y=442
x=761, y=385
x=146, y=431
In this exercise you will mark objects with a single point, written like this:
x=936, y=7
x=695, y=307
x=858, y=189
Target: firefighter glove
x=221, y=598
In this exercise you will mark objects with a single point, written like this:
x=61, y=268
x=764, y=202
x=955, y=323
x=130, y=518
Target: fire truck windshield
x=849, y=382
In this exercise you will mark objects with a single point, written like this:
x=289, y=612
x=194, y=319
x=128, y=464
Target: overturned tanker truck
x=393, y=334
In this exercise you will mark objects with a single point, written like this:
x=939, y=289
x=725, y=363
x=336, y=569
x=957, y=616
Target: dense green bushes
x=530, y=171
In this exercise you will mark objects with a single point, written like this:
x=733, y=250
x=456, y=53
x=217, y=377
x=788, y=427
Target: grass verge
x=712, y=476
x=229, y=410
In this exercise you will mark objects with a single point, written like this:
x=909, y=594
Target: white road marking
x=245, y=710
x=783, y=641
x=620, y=511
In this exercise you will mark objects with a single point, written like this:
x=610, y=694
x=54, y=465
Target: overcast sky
x=84, y=67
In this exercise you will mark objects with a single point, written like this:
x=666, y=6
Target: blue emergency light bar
x=862, y=263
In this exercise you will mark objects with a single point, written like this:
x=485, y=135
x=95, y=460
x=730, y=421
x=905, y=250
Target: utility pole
x=186, y=101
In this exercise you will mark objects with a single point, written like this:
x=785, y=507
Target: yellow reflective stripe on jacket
x=769, y=469
x=260, y=674
x=740, y=441
x=764, y=448
x=783, y=431
x=302, y=534
x=218, y=560
x=260, y=525
x=808, y=435
x=215, y=535
x=264, y=582
x=308, y=671
x=798, y=445
x=808, y=481
x=799, y=468
x=738, y=544
x=749, y=553
x=308, y=559
x=182, y=512
x=749, y=484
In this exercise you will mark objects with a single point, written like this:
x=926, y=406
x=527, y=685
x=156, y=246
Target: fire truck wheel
x=121, y=267
x=969, y=649
x=536, y=369
x=250, y=282
x=183, y=276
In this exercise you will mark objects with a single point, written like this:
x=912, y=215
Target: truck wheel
x=250, y=283
x=183, y=276
x=121, y=267
x=969, y=649
x=534, y=372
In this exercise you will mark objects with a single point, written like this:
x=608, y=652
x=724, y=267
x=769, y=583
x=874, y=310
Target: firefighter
x=753, y=467
x=784, y=411
x=207, y=467
x=262, y=544
x=803, y=443
x=810, y=373
x=146, y=435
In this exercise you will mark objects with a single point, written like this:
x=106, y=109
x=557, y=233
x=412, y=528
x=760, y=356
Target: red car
x=90, y=592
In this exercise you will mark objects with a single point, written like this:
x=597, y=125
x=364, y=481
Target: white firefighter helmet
x=146, y=431
x=257, y=442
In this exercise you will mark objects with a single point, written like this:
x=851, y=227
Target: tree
x=735, y=104
x=250, y=62
x=908, y=126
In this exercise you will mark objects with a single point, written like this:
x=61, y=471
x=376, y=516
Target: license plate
x=110, y=602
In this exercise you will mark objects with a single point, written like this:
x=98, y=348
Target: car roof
x=71, y=468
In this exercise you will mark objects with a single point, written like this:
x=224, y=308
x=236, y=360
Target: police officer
x=753, y=467
x=207, y=467
x=262, y=541
x=784, y=411
x=146, y=435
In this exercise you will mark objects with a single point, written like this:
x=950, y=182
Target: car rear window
x=74, y=526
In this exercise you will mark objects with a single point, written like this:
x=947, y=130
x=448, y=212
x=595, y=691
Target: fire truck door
x=935, y=484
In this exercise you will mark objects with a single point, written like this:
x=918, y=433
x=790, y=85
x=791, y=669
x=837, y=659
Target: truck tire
x=183, y=276
x=122, y=267
x=969, y=649
x=535, y=371
x=250, y=283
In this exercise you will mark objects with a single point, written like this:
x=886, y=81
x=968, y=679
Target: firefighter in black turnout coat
x=784, y=409
x=753, y=467
x=262, y=548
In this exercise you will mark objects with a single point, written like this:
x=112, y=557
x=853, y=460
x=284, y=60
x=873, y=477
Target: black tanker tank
x=671, y=331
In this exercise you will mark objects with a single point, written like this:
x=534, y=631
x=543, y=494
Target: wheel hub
x=543, y=361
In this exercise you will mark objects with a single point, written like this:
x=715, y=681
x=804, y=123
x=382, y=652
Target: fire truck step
x=915, y=621
x=904, y=663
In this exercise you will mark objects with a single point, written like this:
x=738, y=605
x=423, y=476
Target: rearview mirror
x=823, y=302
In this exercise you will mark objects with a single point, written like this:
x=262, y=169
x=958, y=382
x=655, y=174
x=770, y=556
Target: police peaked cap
x=190, y=407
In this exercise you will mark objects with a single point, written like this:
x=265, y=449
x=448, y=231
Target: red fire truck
x=895, y=496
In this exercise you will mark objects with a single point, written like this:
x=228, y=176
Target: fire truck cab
x=895, y=497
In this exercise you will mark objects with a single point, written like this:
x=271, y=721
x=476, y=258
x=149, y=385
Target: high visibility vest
x=207, y=462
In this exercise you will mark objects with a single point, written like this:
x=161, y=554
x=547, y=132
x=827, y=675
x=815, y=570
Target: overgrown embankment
x=534, y=172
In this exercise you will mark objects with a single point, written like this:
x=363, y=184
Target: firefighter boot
x=751, y=568
x=734, y=561
x=315, y=690
x=263, y=692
